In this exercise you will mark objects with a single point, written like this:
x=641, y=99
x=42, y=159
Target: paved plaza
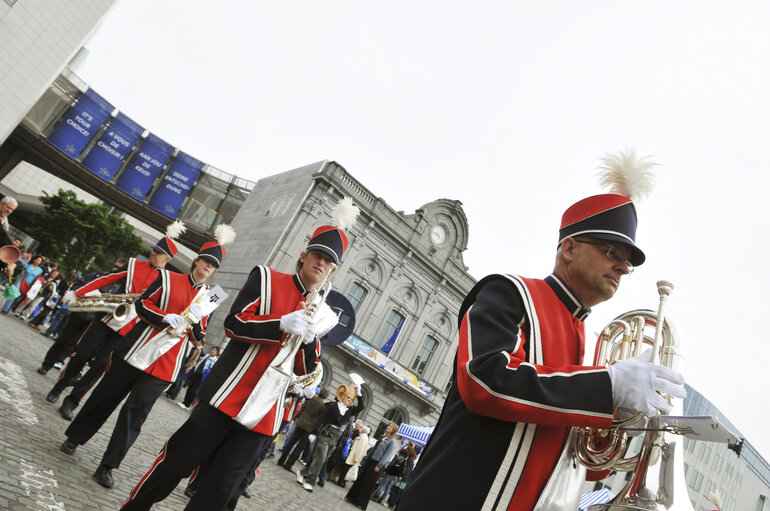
x=34, y=474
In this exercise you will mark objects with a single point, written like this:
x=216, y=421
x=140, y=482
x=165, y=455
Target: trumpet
x=117, y=304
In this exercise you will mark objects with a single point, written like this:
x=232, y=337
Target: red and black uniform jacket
x=518, y=387
x=171, y=293
x=136, y=275
x=253, y=325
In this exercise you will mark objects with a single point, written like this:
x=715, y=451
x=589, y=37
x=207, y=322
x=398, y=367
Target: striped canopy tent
x=595, y=497
x=417, y=434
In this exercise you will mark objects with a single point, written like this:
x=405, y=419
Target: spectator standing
x=394, y=471
x=361, y=491
x=357, y=453
x=395, y=490
x=29, y=273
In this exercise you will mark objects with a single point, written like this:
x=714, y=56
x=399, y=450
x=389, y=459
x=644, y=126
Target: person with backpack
x=394, y=471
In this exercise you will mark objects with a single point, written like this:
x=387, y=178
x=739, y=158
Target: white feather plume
x=175, y=229
x=715, y=499
x=627, y=175
x=224, y=234
x=344, y=213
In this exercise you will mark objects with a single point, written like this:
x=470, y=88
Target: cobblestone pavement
x=34, y=474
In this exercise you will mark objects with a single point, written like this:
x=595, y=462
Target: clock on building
x=438, y=234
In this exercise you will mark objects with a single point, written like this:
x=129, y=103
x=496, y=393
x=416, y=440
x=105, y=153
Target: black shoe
x=320, y=484
x=103, y=476
x=67, y=411
x=43, y=370
x=68, y=447
x=52, y=396
x=189, y=492
x=245, y=493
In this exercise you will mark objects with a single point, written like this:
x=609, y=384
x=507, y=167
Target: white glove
x=636, y=383
x=95, y=292
x=295, y=323
x=196, y=312
x=69, y=297
x=309, y=336
x=173, y=320
x=309, y=393
x=296, y=389
x=311, y=438
x=358, y=391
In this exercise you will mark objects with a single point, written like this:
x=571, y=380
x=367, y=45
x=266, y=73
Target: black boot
x=43, y=369
x=68, y=447
x=103, y=476
x=52, y=396
x=67, y=410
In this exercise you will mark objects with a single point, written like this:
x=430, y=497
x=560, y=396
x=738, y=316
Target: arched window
x=395, y=414
x=389, y=331
x=356, y=293
x=424, y=355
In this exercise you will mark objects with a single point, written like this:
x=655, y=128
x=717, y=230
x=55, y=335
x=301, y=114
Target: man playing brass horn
x=519, y=384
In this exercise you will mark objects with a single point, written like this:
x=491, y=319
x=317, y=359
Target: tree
x=82, y=236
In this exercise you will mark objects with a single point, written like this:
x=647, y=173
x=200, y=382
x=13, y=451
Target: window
x=389, y=331
x=423, y=356
x=356, y=294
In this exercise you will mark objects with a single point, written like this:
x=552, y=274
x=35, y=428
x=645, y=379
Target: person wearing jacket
x=303, y=426
x=147, y=360
x=236, y=414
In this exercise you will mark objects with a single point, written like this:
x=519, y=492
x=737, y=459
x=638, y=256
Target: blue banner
x=145, y=167
x=176, y=185
x=110, y=151
x=81, y=122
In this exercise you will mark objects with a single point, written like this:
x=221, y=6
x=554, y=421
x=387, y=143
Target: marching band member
x=518, y=380
x=103, y=335
x=149, y=357
x=266, y=311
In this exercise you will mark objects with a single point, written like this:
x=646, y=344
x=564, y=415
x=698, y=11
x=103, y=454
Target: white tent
x=417, y=434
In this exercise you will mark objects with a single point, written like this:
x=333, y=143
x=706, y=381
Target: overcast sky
x=506, y=108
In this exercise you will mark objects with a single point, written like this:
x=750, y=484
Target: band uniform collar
x=194, y=284
x=300, y=285
x=568, y=298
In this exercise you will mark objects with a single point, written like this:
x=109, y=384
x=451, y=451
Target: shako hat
x=331, y=239
x=214, y=251
x=166, y=244
x=612, y=216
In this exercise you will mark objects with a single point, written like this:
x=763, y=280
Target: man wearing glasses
x=519, y=384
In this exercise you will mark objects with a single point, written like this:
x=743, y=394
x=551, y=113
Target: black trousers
x=208, y=437
x=192, y=388
x=65, y=341
x=120, y=381
x=96, y=345
x=294, y=447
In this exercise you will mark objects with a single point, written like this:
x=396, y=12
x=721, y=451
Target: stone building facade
x=404, y=274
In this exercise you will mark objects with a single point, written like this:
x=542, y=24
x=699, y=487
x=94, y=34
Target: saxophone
x=118, y=304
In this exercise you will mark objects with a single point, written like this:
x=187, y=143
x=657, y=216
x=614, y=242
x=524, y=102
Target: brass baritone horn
x=117, y=304
x=657, y=481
